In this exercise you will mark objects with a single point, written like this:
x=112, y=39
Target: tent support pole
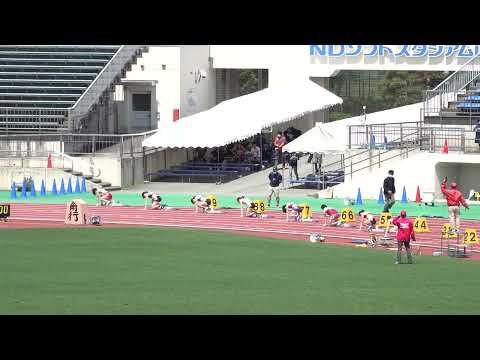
x=218, y=165
x=261, y=151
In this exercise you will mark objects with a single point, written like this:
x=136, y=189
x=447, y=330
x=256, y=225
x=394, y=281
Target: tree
x=400, y=88
x=248, y=81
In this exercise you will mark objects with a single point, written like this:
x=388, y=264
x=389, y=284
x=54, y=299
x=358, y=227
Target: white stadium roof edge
x=245, y=116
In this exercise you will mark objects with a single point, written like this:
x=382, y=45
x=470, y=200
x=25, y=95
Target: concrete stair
x=106, y=185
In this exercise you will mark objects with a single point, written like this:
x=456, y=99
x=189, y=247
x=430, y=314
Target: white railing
x=437, y=99
x=103, y=81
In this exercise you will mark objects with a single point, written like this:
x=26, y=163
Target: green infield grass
x=160, y=271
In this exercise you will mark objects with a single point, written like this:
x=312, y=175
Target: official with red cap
x=454, y=199
x=404, y=234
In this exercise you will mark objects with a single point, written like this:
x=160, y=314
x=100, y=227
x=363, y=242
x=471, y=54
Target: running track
x=50, y=215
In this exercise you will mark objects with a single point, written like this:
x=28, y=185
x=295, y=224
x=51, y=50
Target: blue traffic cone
x=381, y=200
x=359, y=198
x=77, y=186
x=24, y=189
x=62, y=188
x=404, y=196
x=13, y=191
x=43, y=192
x=32, y=189
x=84, y=185
x=54, y=187
x=69, y=186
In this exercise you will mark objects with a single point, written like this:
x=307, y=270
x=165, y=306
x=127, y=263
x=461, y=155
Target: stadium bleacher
x=39, y=83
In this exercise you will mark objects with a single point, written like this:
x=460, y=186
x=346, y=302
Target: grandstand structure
x=54, y=88
x=456, y=100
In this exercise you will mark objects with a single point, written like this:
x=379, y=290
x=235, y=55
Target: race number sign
x=421, y=225
x=385, y=217
x=470, y=236
x=259, y=206
x=213, y=201
x=306, y=212
x=4, y=211
x=445, y=231
x=347, y=215
x=477, y=195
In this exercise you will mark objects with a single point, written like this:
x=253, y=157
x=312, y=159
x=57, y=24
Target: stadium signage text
x=396, y=51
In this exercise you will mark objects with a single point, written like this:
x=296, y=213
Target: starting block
x=76, y=212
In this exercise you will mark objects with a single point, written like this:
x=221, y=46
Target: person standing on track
x=454, y=199
x=404, y=234
x=279, y=142
x=275, y=180
x=389, y=191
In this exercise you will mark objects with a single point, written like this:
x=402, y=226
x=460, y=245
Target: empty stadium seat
x=39, y=83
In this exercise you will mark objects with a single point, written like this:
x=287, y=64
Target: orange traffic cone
x=445, y=147
x=418, y=198
x=49, y=161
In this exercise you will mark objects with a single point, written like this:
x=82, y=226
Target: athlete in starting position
x=332, y=216
x=104, y=198
x=367, y=219
x=156, y=199
x=199, y=202
x=248, y=204
x=292, y=209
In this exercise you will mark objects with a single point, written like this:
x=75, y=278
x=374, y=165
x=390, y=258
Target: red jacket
x=405, y=229
x=453, y=196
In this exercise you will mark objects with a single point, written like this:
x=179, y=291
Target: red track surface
x=43, y=215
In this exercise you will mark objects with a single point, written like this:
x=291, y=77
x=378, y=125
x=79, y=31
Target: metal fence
x=41, y=145
x=379, y=134
x=430, y=138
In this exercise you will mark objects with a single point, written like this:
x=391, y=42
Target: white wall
x=422, y=169
x=168, y=85
x=200, y=96
x=176, y=87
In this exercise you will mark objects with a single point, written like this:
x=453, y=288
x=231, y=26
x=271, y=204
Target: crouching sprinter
x=104, y=197
x=249, y=206
x=332, y=216
x=404, y=234
x=156, y=200
x=367, y=218
x=293, y=210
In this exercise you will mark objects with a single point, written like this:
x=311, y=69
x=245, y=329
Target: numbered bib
x=306, y=212
x=421, y=225
x=385, y=217
x=470, y=236
x=347, y=215
x=445, y=231
x=213, y=201
x=259, y=206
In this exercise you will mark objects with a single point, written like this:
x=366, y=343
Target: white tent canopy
x=317, y=140
x=245, y=116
